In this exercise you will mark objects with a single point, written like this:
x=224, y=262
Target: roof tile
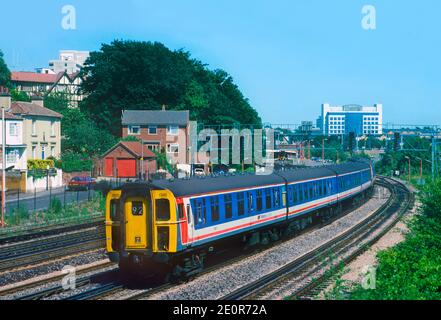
x=155, y=117
x=32, y=109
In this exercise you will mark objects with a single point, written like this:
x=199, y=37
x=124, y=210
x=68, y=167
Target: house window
x=172, y=130
x=172, y=148
x=153, y=147
x=12, y=156
x=53, y=128
x=134, y=129
x=152, y=129
x=42, y=152
x=13, y=129
x=52, y=151
x=34, y=127
x=34, y=150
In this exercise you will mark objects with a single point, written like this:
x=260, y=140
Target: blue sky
x=288, y=57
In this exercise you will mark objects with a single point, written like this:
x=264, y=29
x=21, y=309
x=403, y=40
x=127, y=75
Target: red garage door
x=108, y=167
x=126, y=168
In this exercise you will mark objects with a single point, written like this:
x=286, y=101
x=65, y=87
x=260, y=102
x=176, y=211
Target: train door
x=190, y=224
x=164, y=221
x=136, y=223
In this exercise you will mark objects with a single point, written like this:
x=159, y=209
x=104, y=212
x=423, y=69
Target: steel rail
x=313, y=256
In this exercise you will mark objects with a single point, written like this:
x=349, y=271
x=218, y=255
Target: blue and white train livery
x=177, y=223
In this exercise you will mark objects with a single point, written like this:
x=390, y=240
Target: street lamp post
x=47, y=177
x=408, y=158
x=421, y=168
x=142, y=159
x=3, y=166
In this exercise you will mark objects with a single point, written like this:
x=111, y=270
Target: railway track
x=42, y=231
x=56, y=286
x=37, y=251
x=317, y=264
x=114, y=287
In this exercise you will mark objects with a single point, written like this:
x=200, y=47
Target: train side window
x=181, y=211
x=268, y=198
x=228, y=206
x=214, y=208
x=200, y=211
x=306, y=192
x=294, y=193
x=259, y=200
x=276, y=194
x=162, y=209
x=188, y=214
x=240, y=204
x=250, y=202
x=289, y=195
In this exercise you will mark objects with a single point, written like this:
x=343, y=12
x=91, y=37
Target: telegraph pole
x=5, y=103
x=142, y=159
x=3, y=166
x=433, y=156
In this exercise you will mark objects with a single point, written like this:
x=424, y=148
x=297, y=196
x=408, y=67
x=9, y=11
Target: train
x=171, y=226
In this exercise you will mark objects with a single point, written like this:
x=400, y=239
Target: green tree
x=17, y=95
x=80, y=135
x=146, y=75
x=5, y=74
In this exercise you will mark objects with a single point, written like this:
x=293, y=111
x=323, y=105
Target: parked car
x=81, y=183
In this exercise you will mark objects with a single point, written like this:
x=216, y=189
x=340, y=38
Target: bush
x=411, y=269
x=56, y=205
x=38, y=164
x=17, y=216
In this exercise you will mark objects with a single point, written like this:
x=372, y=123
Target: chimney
x=5, y=98
x=37, y=100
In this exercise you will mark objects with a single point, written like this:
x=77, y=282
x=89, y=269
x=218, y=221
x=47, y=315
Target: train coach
x=171, y=226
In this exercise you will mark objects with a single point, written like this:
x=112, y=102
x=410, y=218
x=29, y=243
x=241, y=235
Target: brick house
x=160, y=130
x=126, y=159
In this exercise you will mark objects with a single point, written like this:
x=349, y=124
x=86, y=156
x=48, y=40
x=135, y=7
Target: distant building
x=69, y=61
x=308, y=128
x=362, y=120
x=161, y=130
x=44, y=70
x=33, y=83
x=36, y=83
